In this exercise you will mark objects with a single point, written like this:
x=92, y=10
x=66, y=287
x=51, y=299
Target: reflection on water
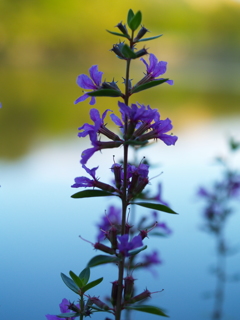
x=40, y=225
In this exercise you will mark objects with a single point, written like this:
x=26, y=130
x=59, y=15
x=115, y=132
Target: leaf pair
x=79, y=284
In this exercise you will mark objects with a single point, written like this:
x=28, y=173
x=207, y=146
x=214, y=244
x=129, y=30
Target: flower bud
x=114, y=293
x=122, y=28
x=144, y=295
x=117, y=48
x=141, y=33
x=100, y=304
x=117, y=170
x=104, y=186
x=102, y=247
x=128, y=287
x=141, y=53
x=112, y=237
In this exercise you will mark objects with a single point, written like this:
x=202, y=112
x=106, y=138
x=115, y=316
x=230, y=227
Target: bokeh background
x=44, y=45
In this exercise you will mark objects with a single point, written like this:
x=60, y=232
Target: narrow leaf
x=92, y=284
x=85, y=275
x=135, y=21
x=91, y=194
x=148, y=85
x=76, y=279
x=136, y=251
x=68, y=315
x=130, y=16
x=155, y=206
x=151, y=38
x=105, y=93
x=148, y=309
x=118, y=34
x=101, y=259
x=127, y=52
x=70, y=283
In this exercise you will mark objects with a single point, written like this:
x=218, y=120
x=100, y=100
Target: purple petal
x=116, y=120
x=86, y=154
x=136, y=242
x=96, y=75
x=91, y=172
x=168, y=139
x=82, y=98
x=160, y=69
x=153, y=63
x=64, y=305
x=92, y=101
x=85, y=82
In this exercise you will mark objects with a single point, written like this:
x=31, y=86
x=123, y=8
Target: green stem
x=124, y=195
x=81, y=302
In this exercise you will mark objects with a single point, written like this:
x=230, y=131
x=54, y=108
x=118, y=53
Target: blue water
x=40, y=225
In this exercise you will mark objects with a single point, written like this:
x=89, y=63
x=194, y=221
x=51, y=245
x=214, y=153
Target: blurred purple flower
x=93, y=83
x=113, y=217
x=125, y=246
x=64, y=309
x=84, y=181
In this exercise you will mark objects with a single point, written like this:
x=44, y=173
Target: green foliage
x=85, y=275
x=136, y=251
x=118, y=34
x=155, y=206
x=148, y=85
x=92, y=284
x=151, y=38
x=105, y=93
x=134, y=20
x=101, y=259
x=148, y=309
x=91, y=194
x=70, y=283
x=128, y=52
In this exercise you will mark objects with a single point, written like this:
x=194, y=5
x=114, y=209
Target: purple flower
x=112, y=218
x=158, y=131
x=64, y=309
x=155, y=68
x=92, y=83
x=124, y=246
x=134, y=114
x=86, y=182
x=92, y=130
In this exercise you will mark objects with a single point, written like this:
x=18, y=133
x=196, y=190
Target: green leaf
x=148, y=85
x=70, y=283
x=105, y=93
x=128, y=53
x=91, y=193
x=118, y=34
x=148, y=309
x=159, y=234
x=136, y=251
x=68, y=315
x=155, y=206
x=85, y=275
x=130, y=16
x=92, y=284
x=101, y=259
x=76, y=279
x=135, y=22
x=151, y=38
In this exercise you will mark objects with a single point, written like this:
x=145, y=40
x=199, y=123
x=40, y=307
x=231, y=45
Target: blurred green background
x=45, y=44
